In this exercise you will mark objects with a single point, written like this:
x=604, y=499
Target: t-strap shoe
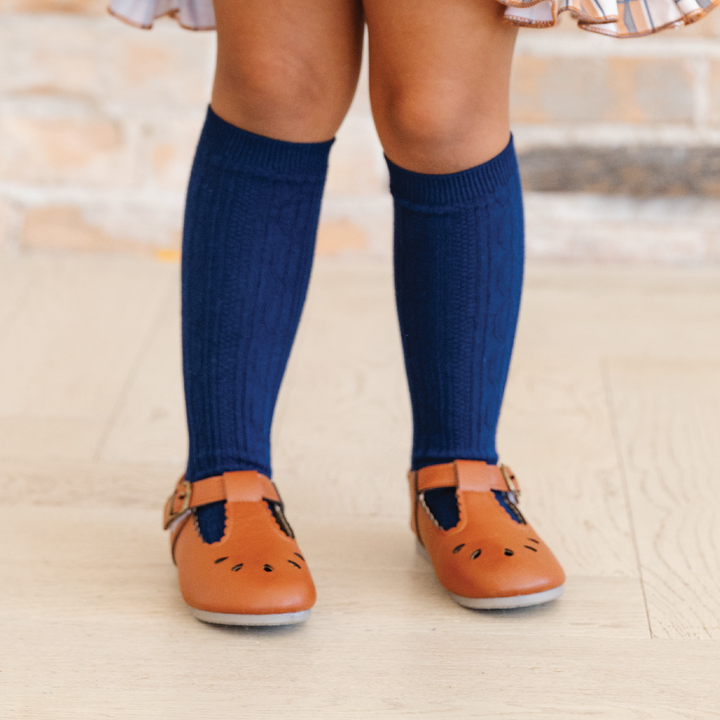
x=255, y=574
x=491, y=558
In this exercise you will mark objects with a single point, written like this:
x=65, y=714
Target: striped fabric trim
x=616, y=18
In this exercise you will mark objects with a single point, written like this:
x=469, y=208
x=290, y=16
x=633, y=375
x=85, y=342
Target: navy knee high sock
x=250, y=224
x=458, y=277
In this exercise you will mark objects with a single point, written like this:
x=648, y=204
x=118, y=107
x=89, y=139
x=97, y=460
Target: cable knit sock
x=250, y=224
x=458, y=277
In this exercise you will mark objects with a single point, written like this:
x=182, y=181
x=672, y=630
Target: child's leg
x=439, y=81
x=439, y=74
x=286, y=74
x=287, y=69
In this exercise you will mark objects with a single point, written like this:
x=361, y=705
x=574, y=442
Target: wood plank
x=52, y=438
x=92, y=621
x=149, y=426
x=345, y=380
x=14, y=287
x=668, y=418
x=93, y=625
x=66, y=353
x=341, y=440
x=629, y=310
x=62, y=481
x=556, y=434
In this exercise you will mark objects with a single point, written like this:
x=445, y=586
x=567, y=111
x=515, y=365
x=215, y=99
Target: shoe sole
x=500, y=603
x=250, y=620
x=507, y=603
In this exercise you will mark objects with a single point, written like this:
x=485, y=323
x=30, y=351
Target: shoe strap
x=466, y=476
x=240, y=486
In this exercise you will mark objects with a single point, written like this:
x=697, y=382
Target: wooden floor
x=611, y=421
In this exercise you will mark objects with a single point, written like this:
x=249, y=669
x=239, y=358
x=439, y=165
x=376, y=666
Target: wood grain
x=556, y=434
x=620, y=310
x=148, y=425
x=15, y=286
x=668, y=418
x=93, y=626
x=68, y=348
x=341, y=440
x=619, y=469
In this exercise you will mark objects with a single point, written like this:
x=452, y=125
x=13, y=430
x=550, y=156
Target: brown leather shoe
x=255, y=574
x=492, y=558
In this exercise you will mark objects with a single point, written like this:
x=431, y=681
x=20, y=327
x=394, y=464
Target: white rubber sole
x=250, y=620
x=507, y=603
x=499, y=603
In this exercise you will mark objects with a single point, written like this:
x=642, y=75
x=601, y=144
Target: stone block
x=99, y=122
x=49, y=57
x=357, y=166
x=165, y=68
x=65, y=228
x=602, y=90
x=72, y=7
x=339, y=236
x=600, y=228
x=120, y=225
x=104, y=61
x=360, y=223
x=714, y=93
x=167, y=148
x=5, y=211
x=64, y=150
x=644, y=171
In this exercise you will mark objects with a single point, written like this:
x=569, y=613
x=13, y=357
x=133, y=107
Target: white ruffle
x=191, y=14
x=618, y=18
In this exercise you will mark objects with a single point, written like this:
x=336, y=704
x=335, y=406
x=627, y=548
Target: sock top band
x=239, y=149
x=454, y=188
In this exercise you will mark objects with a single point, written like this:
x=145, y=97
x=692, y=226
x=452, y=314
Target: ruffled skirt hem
x=615, y=18
x=190, y=14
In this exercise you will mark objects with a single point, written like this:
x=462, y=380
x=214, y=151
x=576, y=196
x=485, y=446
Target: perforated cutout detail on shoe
x=297, y=565
x=530, y=547
x=509, y=506
x=476, y=554
x=300, y=556
x=458, y=548
x=268, y=568
x=442, y=505
x=509, y=552
x=537, y=542
x=276, y=509
x=237, y=567
x=210, y=521
x=222, y=559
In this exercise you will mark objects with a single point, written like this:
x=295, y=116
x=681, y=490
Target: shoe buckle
x=510, y=480
x=183, y=492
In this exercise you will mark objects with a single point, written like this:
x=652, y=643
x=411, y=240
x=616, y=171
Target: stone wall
x=98, y=123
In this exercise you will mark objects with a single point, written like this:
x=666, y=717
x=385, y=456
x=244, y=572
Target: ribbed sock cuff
x=418, y=463
x=455, y=188
x=236, y=149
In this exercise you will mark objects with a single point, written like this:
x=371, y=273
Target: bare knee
x=282, y=97
x=439, y=130
x=421, y=121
